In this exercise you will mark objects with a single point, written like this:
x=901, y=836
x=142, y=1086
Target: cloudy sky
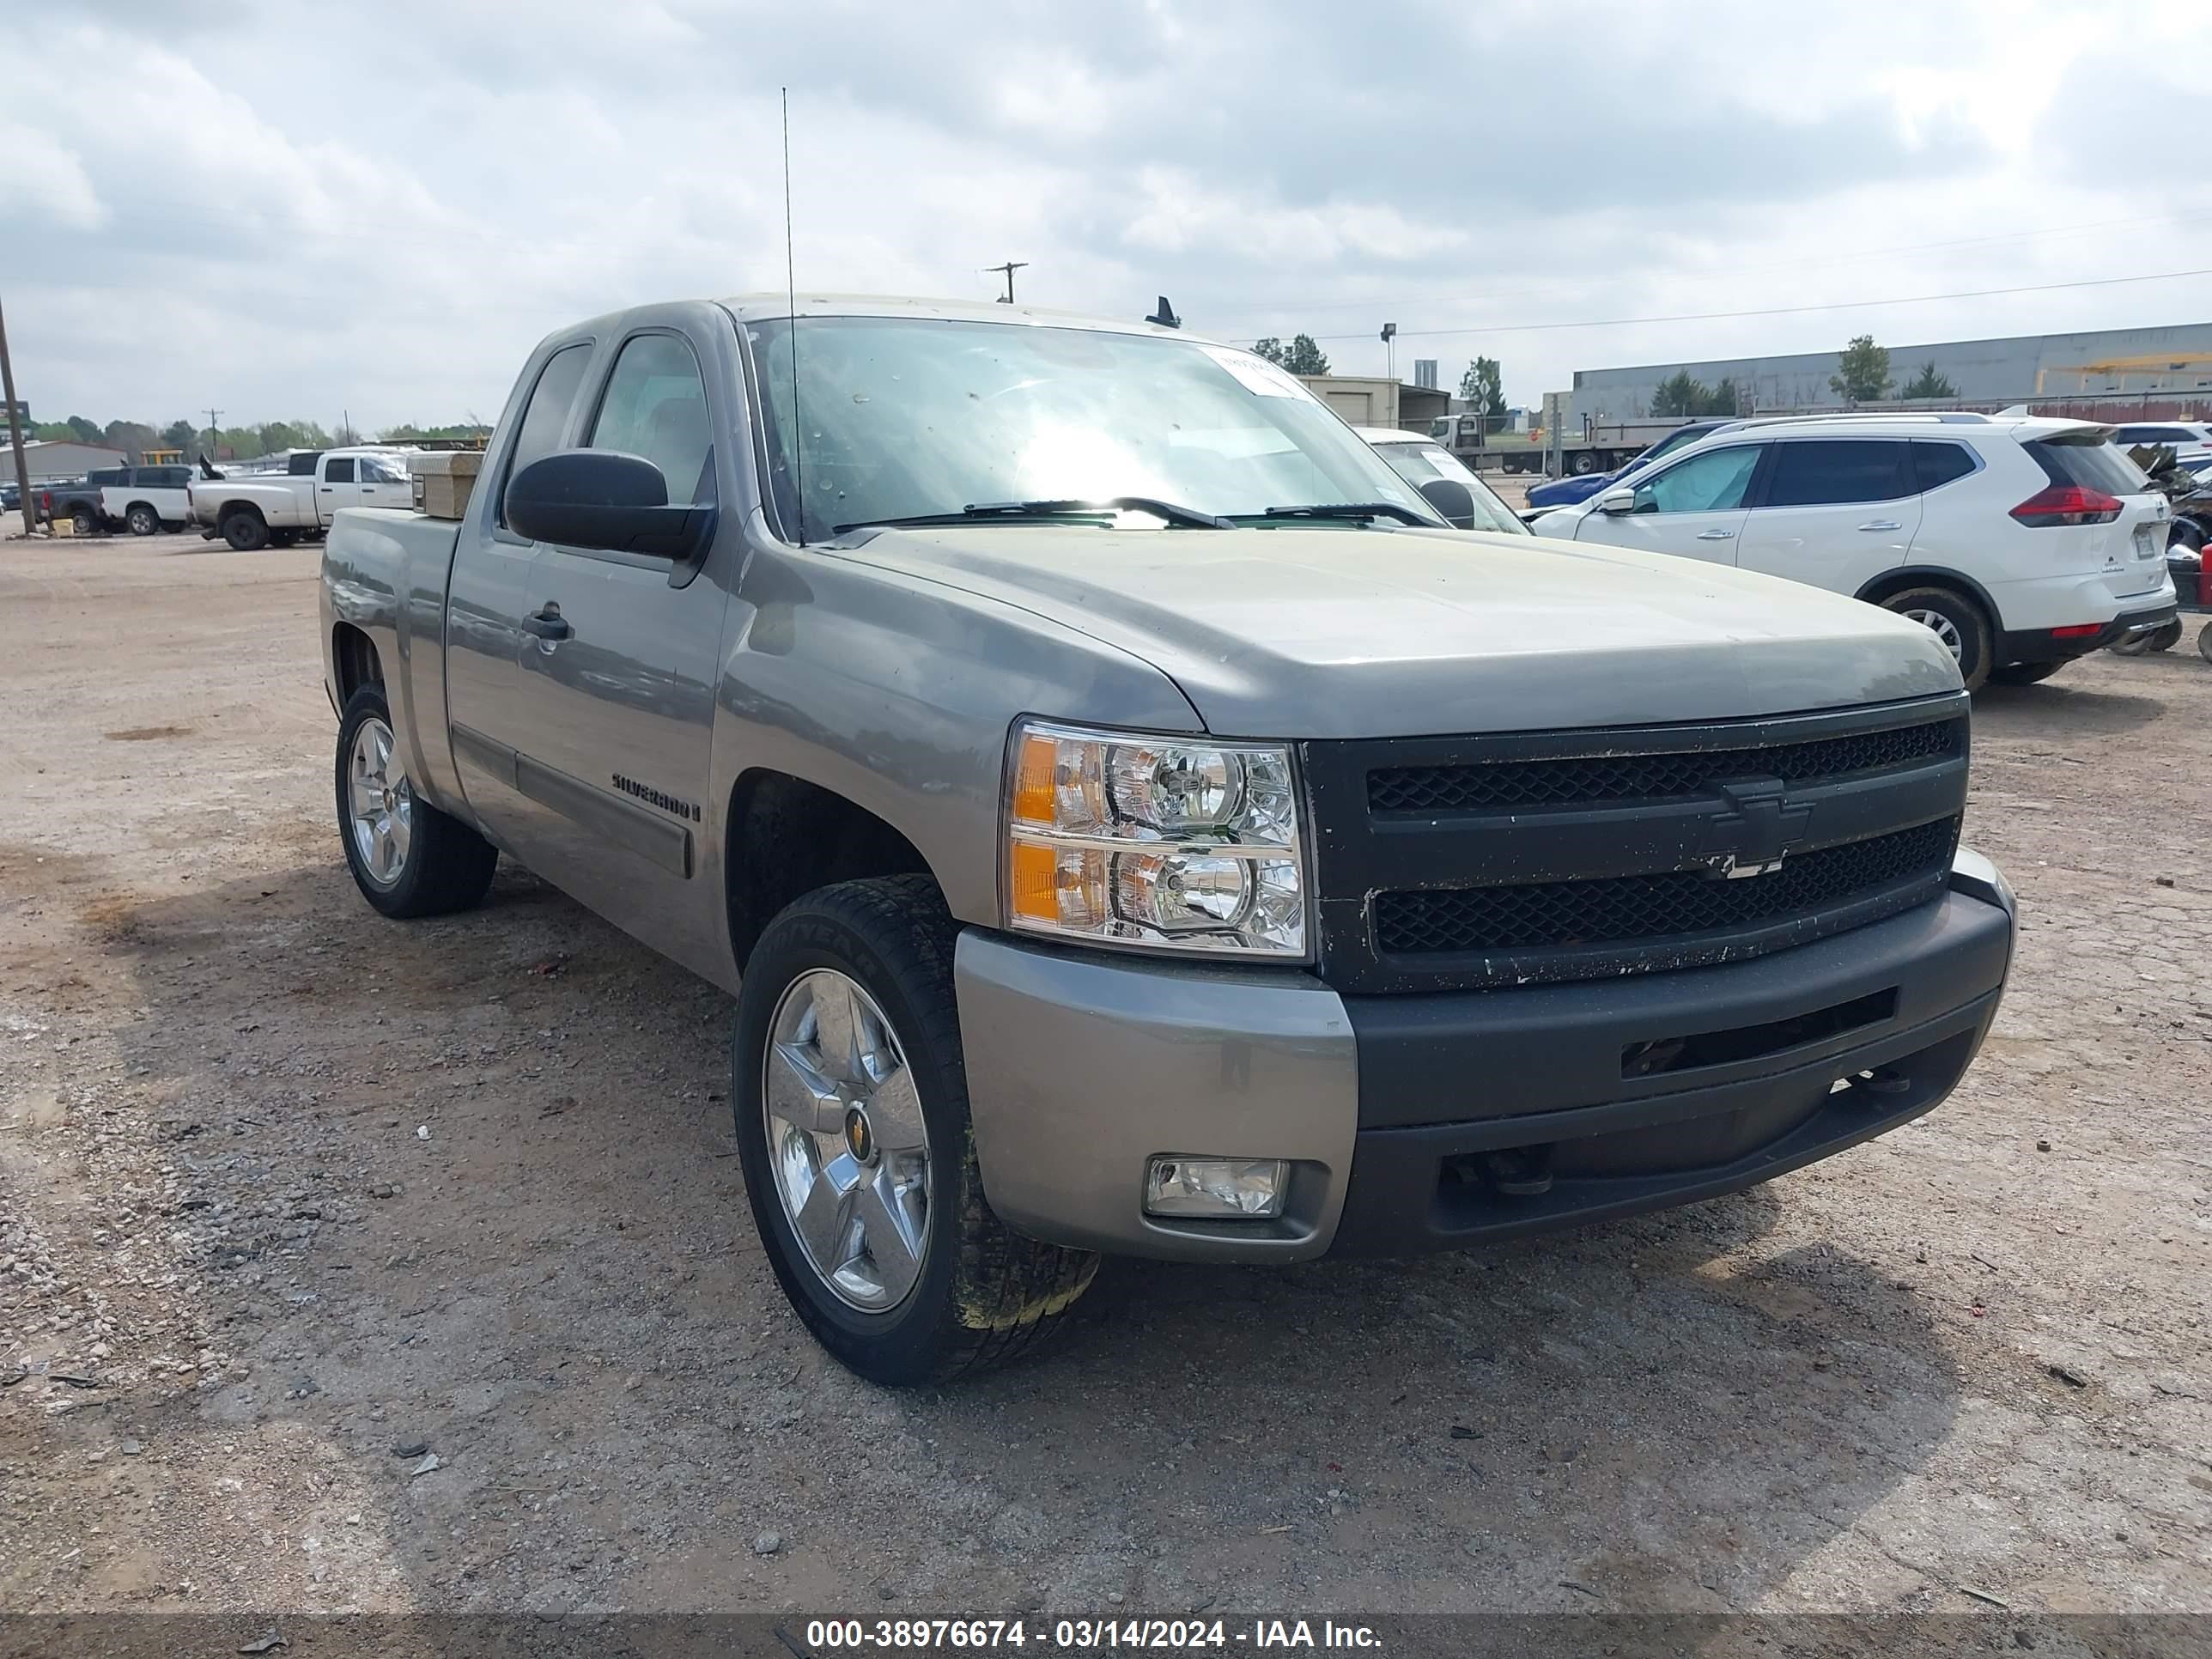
x=288, y=209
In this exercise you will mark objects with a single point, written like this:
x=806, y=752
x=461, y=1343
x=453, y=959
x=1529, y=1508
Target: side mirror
x=603, y=499
x=1617, y=500
x=1452, y=498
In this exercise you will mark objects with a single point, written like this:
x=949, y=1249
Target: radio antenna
x=791, y=298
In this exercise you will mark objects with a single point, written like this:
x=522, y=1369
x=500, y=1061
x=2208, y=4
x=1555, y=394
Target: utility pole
x=15, y=430
x=215, y=421
x=1009, y=268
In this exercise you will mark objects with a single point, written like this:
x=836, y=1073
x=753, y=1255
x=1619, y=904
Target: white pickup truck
x=252, y=512
x=145, y=499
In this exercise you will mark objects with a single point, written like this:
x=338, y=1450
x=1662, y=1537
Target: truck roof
x=763, y=307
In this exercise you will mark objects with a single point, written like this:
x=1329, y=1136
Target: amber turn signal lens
x=1034, y=872
x=1034, y=781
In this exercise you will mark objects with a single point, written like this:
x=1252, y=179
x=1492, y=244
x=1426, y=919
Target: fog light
x=1234, y=1187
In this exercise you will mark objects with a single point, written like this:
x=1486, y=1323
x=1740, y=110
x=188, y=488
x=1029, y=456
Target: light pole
x=1391, y=356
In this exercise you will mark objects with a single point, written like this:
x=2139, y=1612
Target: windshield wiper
x=1351, y=510
x=1103, y=507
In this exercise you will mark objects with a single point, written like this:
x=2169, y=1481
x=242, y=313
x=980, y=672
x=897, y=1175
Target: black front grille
x=1474, y=862
x=1552, y=782
x=1628, y=910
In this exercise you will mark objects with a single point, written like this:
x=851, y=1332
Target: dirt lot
x=294, y=1199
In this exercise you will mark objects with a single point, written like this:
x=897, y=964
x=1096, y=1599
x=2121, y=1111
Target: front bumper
x=1393, y=1111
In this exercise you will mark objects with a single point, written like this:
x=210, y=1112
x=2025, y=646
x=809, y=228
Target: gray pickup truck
x=1131, y=820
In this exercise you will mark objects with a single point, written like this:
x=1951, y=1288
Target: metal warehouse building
x=2176, y=360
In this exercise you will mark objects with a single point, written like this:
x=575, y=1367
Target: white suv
x=2023, y=543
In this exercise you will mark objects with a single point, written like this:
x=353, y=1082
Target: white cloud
x=293, y=212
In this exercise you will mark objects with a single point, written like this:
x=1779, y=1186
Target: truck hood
x=1328, y=633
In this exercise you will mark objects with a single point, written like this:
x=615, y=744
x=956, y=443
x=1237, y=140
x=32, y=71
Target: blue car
x=1565, y=492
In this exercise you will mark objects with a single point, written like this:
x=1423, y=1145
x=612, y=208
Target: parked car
x=1565, y=492
x=1130, y=820
x=143, y=499
x=1438, y=474
x=2182, y=437
x=256, y=510
x=2023, y=543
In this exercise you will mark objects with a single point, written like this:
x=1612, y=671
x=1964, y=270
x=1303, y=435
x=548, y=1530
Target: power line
x=1277, y=308
x=1779, y=311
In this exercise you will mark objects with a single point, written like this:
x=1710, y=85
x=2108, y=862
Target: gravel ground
x=346, y=1264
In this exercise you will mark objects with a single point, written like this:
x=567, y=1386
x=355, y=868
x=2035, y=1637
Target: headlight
x=1174, y=842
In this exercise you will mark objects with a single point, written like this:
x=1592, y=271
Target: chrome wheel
x=382, y=803
x=1943, y=627
x=847, y=1144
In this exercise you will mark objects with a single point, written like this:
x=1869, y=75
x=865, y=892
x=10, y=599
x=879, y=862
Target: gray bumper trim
x=1081, y=1069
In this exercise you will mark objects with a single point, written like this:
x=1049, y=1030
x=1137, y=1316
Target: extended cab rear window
x=2089, y=462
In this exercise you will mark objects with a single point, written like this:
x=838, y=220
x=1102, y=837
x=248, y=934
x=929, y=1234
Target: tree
x=1680, y=393
x=1722, y=399
x=133, y=438
x=1304, y=357
x=85, y=431
x=1301, y=356
x=179, y=434
x=1863, y=372
x=1483, y=387
x=1929, y=384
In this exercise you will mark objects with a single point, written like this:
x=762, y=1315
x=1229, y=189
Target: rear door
x=1834, y=513
x=167, y=487
x=486, y=698
x=1693, y=508
x=383, y=482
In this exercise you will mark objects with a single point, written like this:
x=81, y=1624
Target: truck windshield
x=906, y=417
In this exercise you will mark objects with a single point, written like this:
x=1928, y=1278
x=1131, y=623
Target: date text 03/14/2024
x=1083, y=1635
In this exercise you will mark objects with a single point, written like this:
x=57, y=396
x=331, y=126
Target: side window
x=656, y=406
x=1830, y=471
x=1935, y=464
x=339, y=470
x=1711, y=483
x=546, y=415
x=377, y=469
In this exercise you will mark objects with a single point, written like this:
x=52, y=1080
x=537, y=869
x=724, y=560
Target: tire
x=2185, y=533
x=2025, y=673
x=2167, y=637
x=946, y=1288
x=84, y=522
x=245, y=531
x=408, y=858
x=142, y=519
x=2204, y=641
x=1582, y=463
x=1959, y=622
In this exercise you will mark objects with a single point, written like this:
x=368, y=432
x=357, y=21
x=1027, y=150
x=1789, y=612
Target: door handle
x=1881, y=524
x=1717, y=535
x=547, y=623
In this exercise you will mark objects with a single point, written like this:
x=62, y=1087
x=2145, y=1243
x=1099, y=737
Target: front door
x=1832, y=512
x=337, y=488
x=1693, y=509
x=621, y=657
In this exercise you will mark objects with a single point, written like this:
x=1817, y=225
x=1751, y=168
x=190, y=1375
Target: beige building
x=61, y=459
